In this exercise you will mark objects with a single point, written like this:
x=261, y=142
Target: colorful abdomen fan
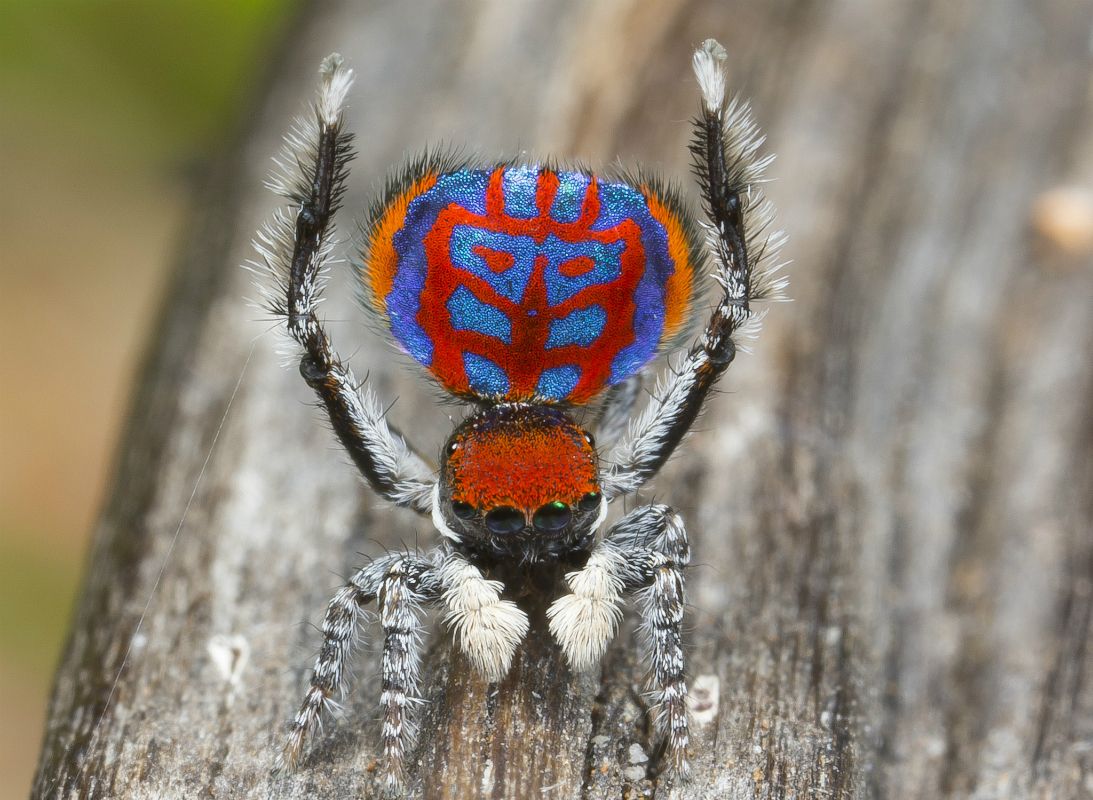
x=522, y=283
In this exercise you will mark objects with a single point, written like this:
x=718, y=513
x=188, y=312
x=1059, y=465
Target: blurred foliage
x=129, y=86
x=148, y=78
x=36, y=589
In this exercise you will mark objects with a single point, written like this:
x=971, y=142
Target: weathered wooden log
x=891, y=505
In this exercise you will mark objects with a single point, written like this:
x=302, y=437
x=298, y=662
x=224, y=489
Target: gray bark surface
x=891, y=504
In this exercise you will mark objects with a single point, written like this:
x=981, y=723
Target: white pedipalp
x=437, y=516
x=487, y=628
x=585, y=621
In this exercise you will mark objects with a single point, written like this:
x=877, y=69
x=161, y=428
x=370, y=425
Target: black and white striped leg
x=663, y=603
x=730, y=173
x=654, y=542
x=400, y=583
x=406, y=585
x=645, y=553
x=295, y=250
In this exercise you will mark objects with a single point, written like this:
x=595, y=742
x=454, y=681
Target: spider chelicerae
x=530, y=292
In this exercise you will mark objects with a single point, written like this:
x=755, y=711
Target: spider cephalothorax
x=521, y=480
x=528, y=291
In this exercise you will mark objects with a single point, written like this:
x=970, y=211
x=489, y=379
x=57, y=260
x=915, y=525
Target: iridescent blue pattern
x=467, y=244
x=557, y=382
x=519, y=184
x=468, y=313
x=581, y=327
x=570, y=197
x=486, y=378
x=490, y=244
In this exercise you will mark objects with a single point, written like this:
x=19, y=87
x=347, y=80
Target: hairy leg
x=644, y=553
x=729, y=172
x=295, y=250
x=399, y=583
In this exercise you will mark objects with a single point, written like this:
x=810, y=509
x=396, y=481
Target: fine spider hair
x=400, y=583
x=730, y=174
x=489, y=545
x=295, y=250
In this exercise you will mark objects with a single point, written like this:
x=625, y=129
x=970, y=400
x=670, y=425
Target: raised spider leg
x=297, y=252
x=644, y=553
x=400, y=583
x=728, y=171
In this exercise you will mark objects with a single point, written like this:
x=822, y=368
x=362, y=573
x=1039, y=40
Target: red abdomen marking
x=522, y=283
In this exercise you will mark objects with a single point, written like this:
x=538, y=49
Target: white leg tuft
x=487, y=628
x=336, y=80
x=709, y=60
x=584, y=622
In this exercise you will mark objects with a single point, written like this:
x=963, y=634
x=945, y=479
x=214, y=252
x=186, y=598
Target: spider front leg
x=644, y=554
x=730, y=175
x=296, y=251
x=400, y=584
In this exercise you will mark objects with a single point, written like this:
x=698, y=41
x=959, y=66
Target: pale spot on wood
x=229, y=655
x=704, y=700
x=1064, y=217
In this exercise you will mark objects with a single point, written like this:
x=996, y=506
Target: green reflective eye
x=552, y=517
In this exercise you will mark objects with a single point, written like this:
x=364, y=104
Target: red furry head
x=521, y=473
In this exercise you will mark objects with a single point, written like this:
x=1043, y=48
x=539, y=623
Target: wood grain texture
x=891, y=504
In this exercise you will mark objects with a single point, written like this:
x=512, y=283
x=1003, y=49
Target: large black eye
x=590, y=502
x=462, y=510
x=552, y=517
x=504, y=519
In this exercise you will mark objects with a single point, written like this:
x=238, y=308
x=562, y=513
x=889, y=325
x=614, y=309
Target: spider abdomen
x=525, y=283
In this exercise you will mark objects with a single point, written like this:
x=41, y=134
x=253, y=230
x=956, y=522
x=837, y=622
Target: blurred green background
x=106, y=110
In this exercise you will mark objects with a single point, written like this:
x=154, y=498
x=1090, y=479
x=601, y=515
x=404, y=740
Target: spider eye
x=552, y=517
x=590, y=501
x=588, y=437
x=504, y=519
x=462, y=510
